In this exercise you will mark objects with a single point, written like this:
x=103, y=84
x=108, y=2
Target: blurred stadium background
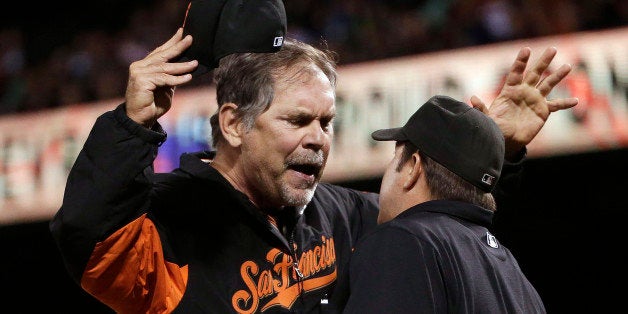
x=64, y=63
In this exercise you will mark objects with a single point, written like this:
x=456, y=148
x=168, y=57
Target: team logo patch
x=491, y=240
x=278, y=41
x=488, y=179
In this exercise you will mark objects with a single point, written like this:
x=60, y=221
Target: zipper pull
x=297, y=270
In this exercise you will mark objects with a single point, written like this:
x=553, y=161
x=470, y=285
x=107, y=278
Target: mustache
x=315, y=159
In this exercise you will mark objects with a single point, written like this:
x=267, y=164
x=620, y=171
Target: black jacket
x=438, y=257
x=188, y=242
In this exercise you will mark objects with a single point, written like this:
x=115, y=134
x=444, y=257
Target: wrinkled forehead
x=304, y=89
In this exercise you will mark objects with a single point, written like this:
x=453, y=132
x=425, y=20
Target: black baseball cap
x=223, y=27
x=457, y=136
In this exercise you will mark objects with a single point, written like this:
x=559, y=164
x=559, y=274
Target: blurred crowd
x=93, y=64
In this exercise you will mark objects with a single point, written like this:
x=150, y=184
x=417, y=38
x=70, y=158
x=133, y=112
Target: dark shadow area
x=565, y=229
x=33, y=277
x=50, y=24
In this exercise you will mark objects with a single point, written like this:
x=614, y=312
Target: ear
x=230, y=124
x=414, y=169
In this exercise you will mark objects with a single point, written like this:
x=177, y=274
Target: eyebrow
x=296, y=113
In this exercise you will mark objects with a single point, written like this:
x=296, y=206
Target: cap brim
x=393, y=134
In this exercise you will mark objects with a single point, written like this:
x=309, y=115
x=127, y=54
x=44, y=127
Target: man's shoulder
x=334, y=192
x=354, y=205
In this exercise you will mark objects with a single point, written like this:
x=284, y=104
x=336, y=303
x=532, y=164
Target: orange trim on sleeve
x=128, y=272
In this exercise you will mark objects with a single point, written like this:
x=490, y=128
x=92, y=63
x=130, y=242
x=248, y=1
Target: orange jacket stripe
x=128, y=271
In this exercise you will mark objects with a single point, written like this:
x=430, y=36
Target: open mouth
x=307, y=169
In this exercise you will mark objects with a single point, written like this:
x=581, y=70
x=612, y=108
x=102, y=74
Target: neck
x=409, y=198
x=228, y=166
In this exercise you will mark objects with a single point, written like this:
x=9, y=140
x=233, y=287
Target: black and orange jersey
x=188, y=242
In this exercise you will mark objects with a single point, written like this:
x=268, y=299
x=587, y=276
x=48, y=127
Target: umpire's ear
x=412, y=171
x=230, y=125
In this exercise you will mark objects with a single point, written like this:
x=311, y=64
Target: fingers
x=169, y=78
x=515, y=75
x=176, y=49
x=147, y=80
x=175, y=80
x=171, y=49
x=477, y=103
x=546, y=86
x=171, y=42
x=176, y=68
x=533, y=76
x=156, y=66
x=560, y=104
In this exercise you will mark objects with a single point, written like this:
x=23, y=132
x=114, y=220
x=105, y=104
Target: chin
x=298, y=197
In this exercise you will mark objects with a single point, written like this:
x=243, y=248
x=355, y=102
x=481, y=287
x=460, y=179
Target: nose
x=316, y=137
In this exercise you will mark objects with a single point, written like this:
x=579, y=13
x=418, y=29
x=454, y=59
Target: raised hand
x=153, y=79
x=521, y=108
